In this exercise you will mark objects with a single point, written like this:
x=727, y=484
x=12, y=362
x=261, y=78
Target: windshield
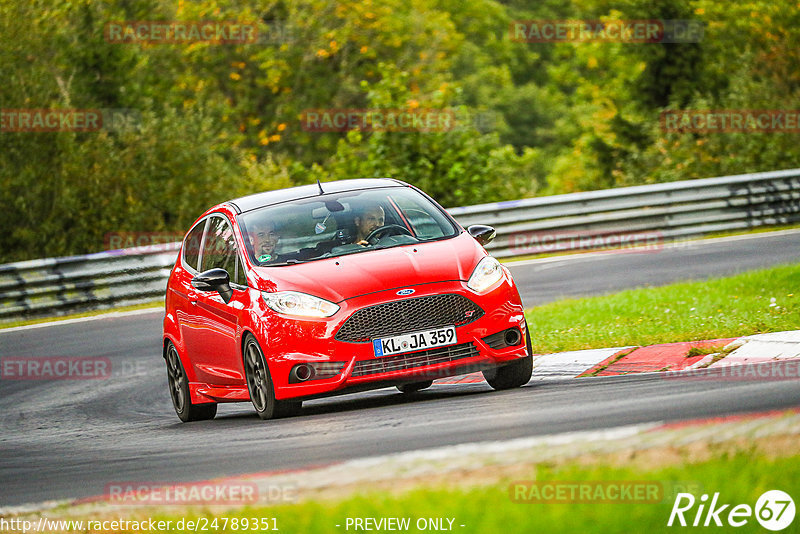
x=339, y=224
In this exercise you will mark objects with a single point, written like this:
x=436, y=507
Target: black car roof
x=268, y=198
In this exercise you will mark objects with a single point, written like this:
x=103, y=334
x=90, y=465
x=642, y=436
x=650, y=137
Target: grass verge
x=493, y=493
x=740, y=477
x=751, y=303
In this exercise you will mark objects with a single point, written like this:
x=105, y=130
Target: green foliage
x=458, y=166
x=747, y=60
x=217, y=121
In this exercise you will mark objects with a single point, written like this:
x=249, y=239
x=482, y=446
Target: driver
x=264, y=237
x=367, y=220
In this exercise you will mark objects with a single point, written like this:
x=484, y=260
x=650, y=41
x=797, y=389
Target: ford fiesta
x=332, y=288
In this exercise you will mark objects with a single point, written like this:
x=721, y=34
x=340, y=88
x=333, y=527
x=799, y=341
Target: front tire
x=259, y=384
x=179, y=391
x=515, y=374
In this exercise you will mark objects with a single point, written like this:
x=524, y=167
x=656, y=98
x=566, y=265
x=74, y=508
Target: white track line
x=109, y=315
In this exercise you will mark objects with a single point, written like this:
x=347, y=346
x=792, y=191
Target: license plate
x=438, y=337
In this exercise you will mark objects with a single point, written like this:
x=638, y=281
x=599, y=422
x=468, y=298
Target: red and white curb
x=761, y=348
x=748, y=350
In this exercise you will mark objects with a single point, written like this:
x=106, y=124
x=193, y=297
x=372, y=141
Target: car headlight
x=296, y=303
x=487, y=273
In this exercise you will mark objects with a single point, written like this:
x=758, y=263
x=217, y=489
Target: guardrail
x=623, y=217
x=56, y=286
x=647, y=214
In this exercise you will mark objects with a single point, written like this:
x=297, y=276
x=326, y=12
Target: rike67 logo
x=774, y=510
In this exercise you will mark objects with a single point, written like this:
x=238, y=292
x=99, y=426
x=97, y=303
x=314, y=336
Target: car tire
x=413, y=387
x=259, y=384
x=179, y=390
x=515, y=374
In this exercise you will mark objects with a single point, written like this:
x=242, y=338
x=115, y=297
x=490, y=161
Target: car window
x=239, y=277
x=219, y=247
x=426, y=224
x=333, y=225
x=191, y=245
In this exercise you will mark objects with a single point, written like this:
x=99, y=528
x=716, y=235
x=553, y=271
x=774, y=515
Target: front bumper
x=361, y=369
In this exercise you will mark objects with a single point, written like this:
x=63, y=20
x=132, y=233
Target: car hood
x=345, y=277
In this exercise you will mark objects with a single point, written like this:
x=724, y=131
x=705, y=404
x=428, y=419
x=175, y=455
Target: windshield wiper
x=291, y=261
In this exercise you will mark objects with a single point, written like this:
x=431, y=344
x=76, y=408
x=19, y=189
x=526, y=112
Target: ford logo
x=405, y=292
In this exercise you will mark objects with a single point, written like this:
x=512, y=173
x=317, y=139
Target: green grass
x=740, y=478
x=704, y=351
x=713, y=309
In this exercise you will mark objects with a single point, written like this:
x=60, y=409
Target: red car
x=332, y=288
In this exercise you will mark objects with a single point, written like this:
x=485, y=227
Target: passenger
x=264, y=238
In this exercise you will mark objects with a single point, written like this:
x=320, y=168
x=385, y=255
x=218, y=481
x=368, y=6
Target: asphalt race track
x=68, y=439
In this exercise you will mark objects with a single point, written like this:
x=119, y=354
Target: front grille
x=412, y=360
x=410, y=315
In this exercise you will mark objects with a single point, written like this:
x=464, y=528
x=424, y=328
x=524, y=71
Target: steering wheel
x=382, y=231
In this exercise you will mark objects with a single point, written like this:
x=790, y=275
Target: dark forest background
x=213, y=122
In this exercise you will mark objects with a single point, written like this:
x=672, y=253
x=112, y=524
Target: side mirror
x=483, y=234
x=214, y=280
